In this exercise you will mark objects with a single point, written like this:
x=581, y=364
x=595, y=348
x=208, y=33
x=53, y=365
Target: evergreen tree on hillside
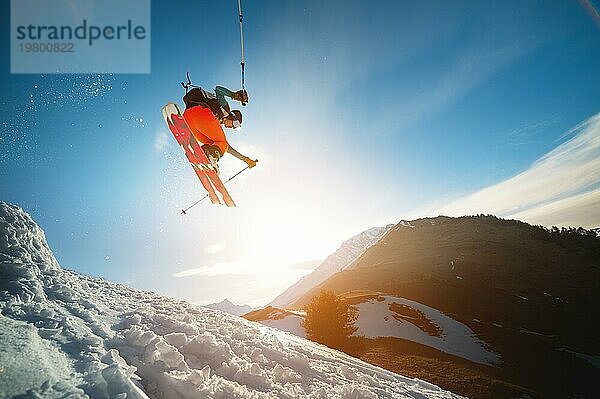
x=329, y=319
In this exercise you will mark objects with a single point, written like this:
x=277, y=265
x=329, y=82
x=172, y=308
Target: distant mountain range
x=229, y=307
x=346, y=253
x=486, y=307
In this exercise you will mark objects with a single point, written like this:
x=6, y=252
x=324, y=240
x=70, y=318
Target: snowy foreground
x=63, y=334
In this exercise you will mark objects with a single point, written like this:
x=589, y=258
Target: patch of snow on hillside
x=455, y=338
x=289, y=323
x=594, y=360
x=69, y=335
x=404, y=223
x=281, y=319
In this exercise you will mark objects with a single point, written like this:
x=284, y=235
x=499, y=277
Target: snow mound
x=24, y=256
x=22, y=241
x=69, y=335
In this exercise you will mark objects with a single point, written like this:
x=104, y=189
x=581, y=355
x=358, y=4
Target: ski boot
x=213, y=153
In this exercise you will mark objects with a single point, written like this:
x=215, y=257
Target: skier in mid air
x=205, y=112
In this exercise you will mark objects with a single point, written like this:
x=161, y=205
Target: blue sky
x=361, y=114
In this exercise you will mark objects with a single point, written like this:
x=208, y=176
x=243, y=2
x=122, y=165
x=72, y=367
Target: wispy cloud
x=218, y=269
x=560, y=188
x=249, y=268
x=466, y=73
x=524, y=133
x=578, y=210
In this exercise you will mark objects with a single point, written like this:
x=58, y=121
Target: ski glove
x=241, y=96
x=251, y=163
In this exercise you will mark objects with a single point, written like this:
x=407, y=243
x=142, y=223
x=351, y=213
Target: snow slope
x=346, y=254
x=289, y=323
x=280, y=319
x=64, y=334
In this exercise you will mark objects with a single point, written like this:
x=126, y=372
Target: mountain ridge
x=227, y=306
x=342, y=257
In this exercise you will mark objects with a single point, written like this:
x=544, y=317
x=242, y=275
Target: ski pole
x=242, y=62
x=184, y=211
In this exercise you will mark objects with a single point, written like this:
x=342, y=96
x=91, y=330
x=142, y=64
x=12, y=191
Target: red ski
x=195, y=155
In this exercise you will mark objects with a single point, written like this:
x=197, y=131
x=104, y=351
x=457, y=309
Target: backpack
x=198, y=96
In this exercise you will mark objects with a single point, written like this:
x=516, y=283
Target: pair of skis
x=195, y=155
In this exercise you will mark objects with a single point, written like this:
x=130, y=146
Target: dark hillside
x=531, y=293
